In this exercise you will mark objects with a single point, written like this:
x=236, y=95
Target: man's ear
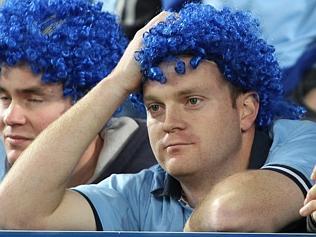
x=248, y=109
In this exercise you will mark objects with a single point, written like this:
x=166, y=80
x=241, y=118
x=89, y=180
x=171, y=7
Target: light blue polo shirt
x=293, y=151
x=137, y=202
x=151, y=199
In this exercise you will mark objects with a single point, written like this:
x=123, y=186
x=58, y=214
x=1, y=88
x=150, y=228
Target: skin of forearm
x=50, y=159
x=252, y=201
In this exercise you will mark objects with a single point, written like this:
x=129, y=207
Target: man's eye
x=193, y=100
x=34, y=100
x=4, y=98
x=154, y=108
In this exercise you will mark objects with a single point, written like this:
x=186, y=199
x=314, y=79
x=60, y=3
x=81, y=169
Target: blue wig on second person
x=229, y=38
x=67, y=41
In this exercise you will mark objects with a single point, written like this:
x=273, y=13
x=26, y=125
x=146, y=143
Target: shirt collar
x=260, y=149
x=258, y=155
x=171, y=188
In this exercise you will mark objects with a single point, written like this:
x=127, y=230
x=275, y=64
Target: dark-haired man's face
x=27, y=106
x=192, y=125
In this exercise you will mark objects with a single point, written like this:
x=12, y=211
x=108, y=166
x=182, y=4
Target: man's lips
x=176, y=144
x=16, y=139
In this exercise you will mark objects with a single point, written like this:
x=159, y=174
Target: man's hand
x=128, y=70
x=309, y=207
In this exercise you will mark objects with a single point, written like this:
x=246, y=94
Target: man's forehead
x=4, y=71
x=205, y=69
x=202, y=79
x=22, y=69
x=22, y=79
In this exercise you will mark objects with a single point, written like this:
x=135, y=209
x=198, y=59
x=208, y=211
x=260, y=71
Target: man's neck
x=195, y=188
x=87, y=164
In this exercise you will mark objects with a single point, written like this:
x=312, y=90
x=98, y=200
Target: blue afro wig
x=229, y=38
x=67, y=41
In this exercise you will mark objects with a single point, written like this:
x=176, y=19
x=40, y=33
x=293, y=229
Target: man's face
x=27, y=106
x=192, y=125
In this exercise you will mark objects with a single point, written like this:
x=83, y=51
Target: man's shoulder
x=292, y=151
x=297, y=136
x=152, y=177
x=290, y=129
x=143, y=182
x=293, y=124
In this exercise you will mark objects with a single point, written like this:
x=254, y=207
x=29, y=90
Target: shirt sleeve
x=116, y=201
x=293, y=151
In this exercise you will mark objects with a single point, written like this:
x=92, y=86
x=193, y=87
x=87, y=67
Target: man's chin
x=178, y=171
x=12, y=156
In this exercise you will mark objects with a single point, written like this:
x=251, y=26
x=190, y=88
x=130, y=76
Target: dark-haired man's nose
x=14, y=115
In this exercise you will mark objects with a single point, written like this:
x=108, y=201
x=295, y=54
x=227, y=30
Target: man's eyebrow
x=189, y=91
x=150, y=98
x=194, y=90
x=32, y=90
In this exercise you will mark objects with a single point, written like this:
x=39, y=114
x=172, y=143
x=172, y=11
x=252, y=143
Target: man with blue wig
x=211, y=87
x=50, y=57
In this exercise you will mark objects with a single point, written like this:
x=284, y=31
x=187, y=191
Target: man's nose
x=174, y=120
x=13, y=115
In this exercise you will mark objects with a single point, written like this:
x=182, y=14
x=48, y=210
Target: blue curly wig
x=229, y=38
x=67, y=41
